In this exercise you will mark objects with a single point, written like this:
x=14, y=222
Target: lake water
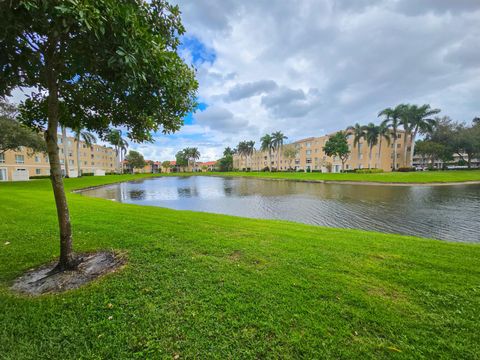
x=441, y=212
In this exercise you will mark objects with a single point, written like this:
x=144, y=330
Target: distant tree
x=467, y=141
x=433, y=151
x=250, y=149
x=229, y=151
x=277, y=141
x=226, y=163
x=114, y=137
x=371, y=136
x=358, y=133
x=135, y=160
x=266, y=144
x=88, y=139
x=194, y=154
x=383, y=134
x=181, y=159
x=112, y=63
x=337, y=145
x=14, y=135
x=166, y=164
x=290, y=153
x=392, y=121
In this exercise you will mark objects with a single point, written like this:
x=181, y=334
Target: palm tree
x=371, y=135
x=250, y=149
x=277, y=141
x=267, y=145
x=358, y=133
x=87, y=138
x=242, y=149
x=195, y=155
x=114, y=137
x=420, y=123
x=392, y=121
x=383, y=133
x=229, y=151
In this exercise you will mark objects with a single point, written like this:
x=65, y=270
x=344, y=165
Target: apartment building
x=311, y=157
x=23, y=164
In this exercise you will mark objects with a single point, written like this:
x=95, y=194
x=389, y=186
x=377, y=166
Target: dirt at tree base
x=46, y=279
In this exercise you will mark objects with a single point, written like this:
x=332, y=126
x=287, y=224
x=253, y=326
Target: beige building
x=311, y=157
x=22, y=164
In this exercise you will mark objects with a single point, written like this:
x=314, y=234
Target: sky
x=310, y=67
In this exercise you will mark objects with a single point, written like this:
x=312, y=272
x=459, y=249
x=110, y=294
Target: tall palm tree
x=266, y=144
x=277, y=141
x=242, y=149
x=250, y=149
x=358, y=133
x=371, y=136
x=229, y=151
x=392, y=121
x=194, y=154
x=87, y=138
x=383, y=133
x=114, y=137
x=420, y=123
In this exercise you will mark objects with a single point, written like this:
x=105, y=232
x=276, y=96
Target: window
x=38, y=171
x=308, y=144
x=37, y=159
x=70, y=162
x=309, y=161
x=316, y=151
x=19, y=159
x=309, y=152
x=2, y=158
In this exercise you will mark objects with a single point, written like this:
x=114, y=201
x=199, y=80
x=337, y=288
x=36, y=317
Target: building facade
x=311, y=157
x=23, y=164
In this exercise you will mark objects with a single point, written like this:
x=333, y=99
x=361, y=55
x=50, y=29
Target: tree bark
x=395, y=151
x=67, y=260
x=405, y=137
x=412, y=147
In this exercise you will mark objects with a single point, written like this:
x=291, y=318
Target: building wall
x=310, y=154
x=92, y=158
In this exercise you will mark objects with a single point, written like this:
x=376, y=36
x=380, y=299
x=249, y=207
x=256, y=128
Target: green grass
x=387, y=177
x=210, y=286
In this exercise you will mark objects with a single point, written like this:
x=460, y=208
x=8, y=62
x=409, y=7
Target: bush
x=368, y=171
x=87, y=174
x=40, y=177
x=266, y=168
x=406, y=169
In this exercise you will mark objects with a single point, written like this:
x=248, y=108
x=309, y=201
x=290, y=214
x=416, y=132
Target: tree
x=135, y=160
x=290, y=153
x=358, y=133
x=419, y=122
x=277, y=141
x=371, y=136
x=114, y=137
x=266, y=144
x=433, y=151
x=88, y=139
x=242, y=149
x=229, y=151
x=467, y=141
x=337, y=145
x=383, y=134
x=14, y=135
x=194, y=154
x=110, y=63
x=166, y=164
x=392, y=121
x=181, y=159
x=226, y=163
x=250, y=149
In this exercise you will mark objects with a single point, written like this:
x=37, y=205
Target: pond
x=441, y=212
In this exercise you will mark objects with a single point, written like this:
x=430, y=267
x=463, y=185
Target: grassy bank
x=390, y=177
x=212, y=286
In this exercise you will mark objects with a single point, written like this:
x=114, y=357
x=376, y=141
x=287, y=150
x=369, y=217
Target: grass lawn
x=211, y=286
x=393, y=177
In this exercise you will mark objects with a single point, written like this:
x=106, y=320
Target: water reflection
x=442, y=212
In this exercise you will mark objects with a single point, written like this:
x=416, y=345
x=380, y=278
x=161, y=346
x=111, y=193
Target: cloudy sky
x=307, y=67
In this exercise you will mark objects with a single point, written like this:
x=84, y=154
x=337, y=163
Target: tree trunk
x=379, y=151
x=412, y=147
x=395, y=151
x=65, y=151
x=370, y=157
x=67, y=260
x=405, y=149
x=78, y=155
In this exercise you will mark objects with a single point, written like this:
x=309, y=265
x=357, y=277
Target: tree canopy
x=135, y=160
x=337, y=145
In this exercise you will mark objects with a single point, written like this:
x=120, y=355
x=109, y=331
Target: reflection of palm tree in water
x=191, y=191
x=137, y=194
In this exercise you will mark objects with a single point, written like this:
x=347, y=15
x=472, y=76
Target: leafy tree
x=277, y=141
x=337, y=145
x=229, y=151
x=181, y=159
x=371, y=136
x=135, y=160
x=114, y=137
x=290, y=153
x=467, y=141
x=88, y=139
x=433, y=151
x=166, y=164
x=266, y=144
x=226, y=163
x=250, y=149
x=14, y=135
x=107, y=63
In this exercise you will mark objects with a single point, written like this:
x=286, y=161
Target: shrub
x=368, y=171
x=40, y=177
x=406, y=169
x=87, y=174
x=266, y=168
